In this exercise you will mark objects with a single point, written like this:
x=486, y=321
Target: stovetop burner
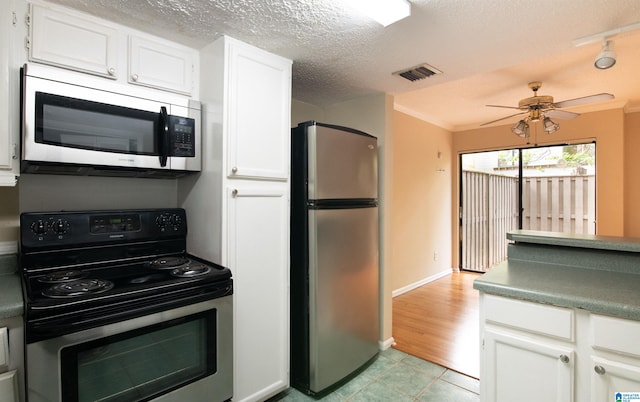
x=168, y=262
x=78, y=287
x=190, y=270
x=62, y=276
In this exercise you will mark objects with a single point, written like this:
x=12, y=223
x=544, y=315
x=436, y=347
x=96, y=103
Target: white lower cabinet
x=528, y=353
x=525, y=369
x=615, y=361
x=9, y=386
x=610, y=377
x=535, y=352
x=257, y=251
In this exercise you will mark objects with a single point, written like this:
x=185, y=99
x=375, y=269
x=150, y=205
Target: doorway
x=543, y=188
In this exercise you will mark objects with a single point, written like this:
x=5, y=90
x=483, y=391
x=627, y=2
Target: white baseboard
x=424, y=281
x=386, y=344
x=8, y=247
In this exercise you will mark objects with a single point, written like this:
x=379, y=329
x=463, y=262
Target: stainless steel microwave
x=76, y=128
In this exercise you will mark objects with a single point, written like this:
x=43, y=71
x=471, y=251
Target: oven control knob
x=176, y=220
x=39, y=227
x=60, y=226
x=162, y=221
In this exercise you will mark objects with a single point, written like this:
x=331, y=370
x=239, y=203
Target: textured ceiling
x=488, y=50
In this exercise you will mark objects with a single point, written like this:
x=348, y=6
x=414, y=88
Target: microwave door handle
x=163, y=136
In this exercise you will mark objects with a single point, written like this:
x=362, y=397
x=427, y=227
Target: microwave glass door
x=143, y=363
x=79, y=123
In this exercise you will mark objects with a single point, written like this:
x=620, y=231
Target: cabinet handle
x=111, y=71
x=134, y=77
x=599, y=370
x=564, y=358
x=234, y=192
x=234, y=170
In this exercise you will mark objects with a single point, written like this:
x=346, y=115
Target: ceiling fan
x=542, y=107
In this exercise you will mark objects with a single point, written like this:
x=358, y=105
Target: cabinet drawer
x=616, y=334
x=9, y=386
x=544, y=319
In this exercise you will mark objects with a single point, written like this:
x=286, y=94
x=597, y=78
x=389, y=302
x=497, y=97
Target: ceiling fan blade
x=585, y=99
x=507, y=107
x=503, y=118
x=561, y=114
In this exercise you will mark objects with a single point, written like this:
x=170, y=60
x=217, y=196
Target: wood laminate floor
x=438, y=322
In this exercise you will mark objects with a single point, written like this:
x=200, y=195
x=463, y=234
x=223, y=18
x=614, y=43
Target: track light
x=521, y=129
x=549, y=125
x=607, y=56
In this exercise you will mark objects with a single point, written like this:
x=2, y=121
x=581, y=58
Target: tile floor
x=398, y=377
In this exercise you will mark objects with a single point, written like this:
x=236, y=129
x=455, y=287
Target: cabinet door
x=259, y=111
x=6, y=141
x=257, y=244
x=608, y=378
x=518, y=368
x=9, y=386
x=69, y=41
x=160, y=65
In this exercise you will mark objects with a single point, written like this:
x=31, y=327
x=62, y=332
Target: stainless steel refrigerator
x=334, y=255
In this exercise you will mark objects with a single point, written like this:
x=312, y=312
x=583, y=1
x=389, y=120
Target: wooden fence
x=490, y=210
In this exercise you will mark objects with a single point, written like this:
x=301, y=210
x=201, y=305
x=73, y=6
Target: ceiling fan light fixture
x=550, y=126
x=521, y=129
x=607, y=56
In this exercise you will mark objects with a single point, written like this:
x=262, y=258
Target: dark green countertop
x=615, y=243
x=600, y=274
x=604, y=292
x=11, y=302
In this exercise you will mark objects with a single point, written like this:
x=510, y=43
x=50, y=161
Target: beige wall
x=301, y=112
x=40, y=192
x=605, y=127
x=632, y=175
x=421, y=229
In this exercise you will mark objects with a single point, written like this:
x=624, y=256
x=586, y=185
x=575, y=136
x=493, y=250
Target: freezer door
x=342, y=164
x=343, y=294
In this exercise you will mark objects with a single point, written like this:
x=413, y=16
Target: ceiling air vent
x=418, y=72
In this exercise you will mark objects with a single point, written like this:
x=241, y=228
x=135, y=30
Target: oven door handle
x=163, y=136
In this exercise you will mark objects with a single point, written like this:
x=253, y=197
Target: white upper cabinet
x=79, y=42
x=160, y=65
x=12, y=55
x=69, y=41
x=6, y=152
x=258, y=112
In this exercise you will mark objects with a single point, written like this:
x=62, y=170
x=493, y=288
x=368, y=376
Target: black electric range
x=90, y=268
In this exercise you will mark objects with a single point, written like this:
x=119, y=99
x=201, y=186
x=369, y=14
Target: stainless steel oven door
x=183, y=354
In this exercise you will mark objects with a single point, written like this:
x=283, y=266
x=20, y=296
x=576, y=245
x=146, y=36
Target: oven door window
x=78, y=123
x=141, y=364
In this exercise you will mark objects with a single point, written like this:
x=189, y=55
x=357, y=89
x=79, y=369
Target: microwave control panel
x=182, y=136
